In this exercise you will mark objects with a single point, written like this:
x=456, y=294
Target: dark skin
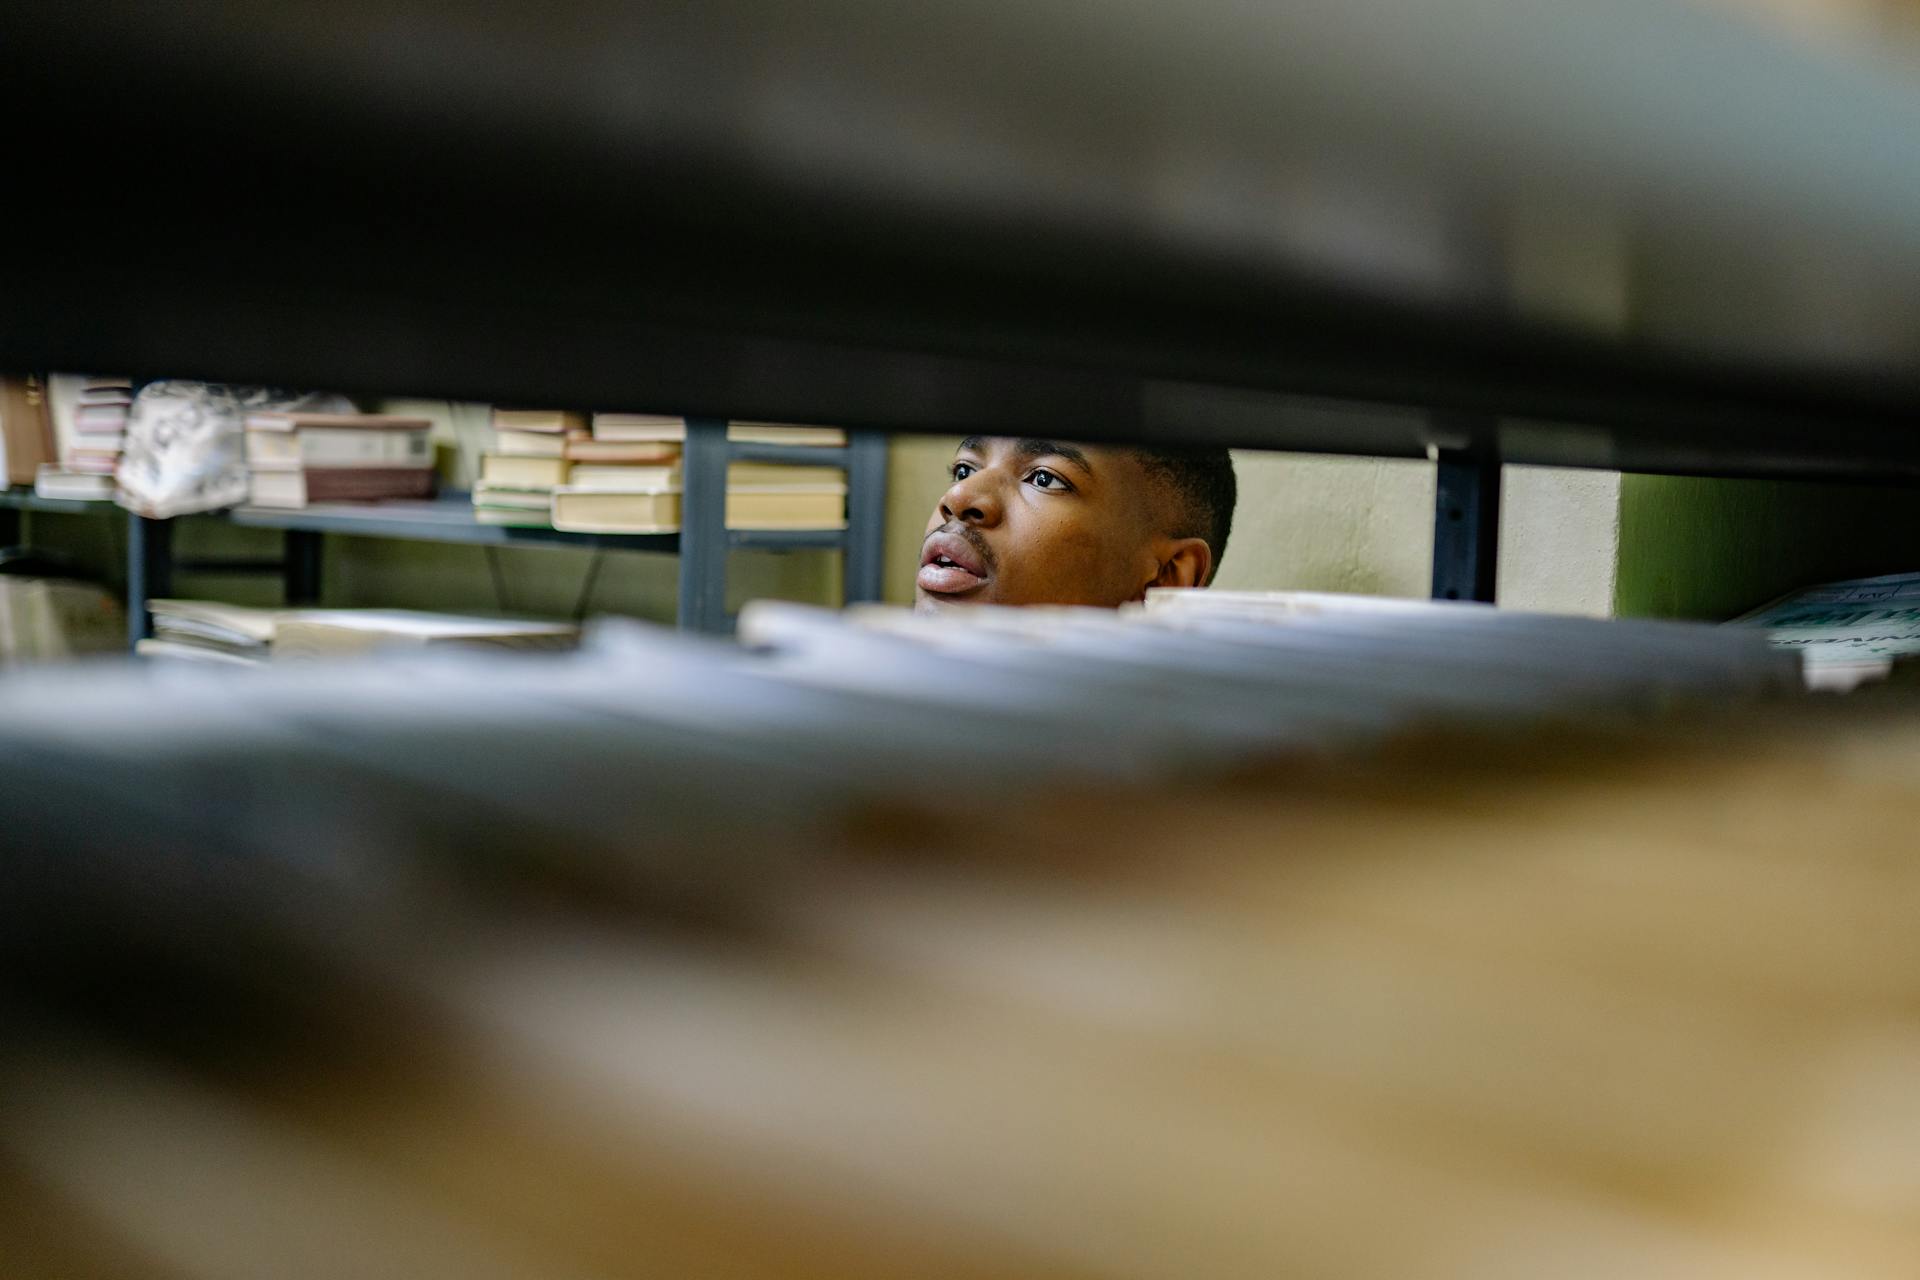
x=1029, y=521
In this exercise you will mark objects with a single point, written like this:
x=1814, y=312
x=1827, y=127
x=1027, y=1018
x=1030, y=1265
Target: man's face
x=1040, y=522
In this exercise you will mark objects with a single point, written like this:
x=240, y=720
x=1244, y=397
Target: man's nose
x=970, y=501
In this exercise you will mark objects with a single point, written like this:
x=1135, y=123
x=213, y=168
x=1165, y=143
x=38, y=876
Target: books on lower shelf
x=211, y=631
x=175, y=651
x=315, y=633
x=295, y=459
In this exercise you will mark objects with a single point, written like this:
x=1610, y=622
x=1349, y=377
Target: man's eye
x=1044, y=479
x=961, y=470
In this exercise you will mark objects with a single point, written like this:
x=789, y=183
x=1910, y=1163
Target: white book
x=637, y=428
x=612, y=478
x=783, y=433
x=489, y=495
x=530, y=444
x=323, y=447
x=234, y=625
x=72, y=486
x=180, y=651
x=515, y=517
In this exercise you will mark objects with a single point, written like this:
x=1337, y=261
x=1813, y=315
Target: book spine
x=355, y=483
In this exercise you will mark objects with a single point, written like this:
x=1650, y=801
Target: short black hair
x=1204, y=490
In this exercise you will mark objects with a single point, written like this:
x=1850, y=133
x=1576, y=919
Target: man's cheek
x=1078, y=562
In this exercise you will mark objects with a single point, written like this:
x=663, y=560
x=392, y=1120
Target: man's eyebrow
x=1033, y=447
x=1028, y=447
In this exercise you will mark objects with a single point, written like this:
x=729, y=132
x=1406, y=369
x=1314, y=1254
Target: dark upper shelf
x=1653, y=234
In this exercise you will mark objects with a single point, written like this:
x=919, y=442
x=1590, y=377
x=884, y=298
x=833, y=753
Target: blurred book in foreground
x=1352, y=941
x=1846, y=632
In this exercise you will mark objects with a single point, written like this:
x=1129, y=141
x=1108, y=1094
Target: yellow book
x=604, y=511
x=554, y=420
x=784, y=475
x=511, y=471
x=788, y=508
x=781, y=433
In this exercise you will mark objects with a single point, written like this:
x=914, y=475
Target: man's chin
x=925, y=601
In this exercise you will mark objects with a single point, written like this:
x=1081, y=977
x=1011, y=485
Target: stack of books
x=295, y=459
x=100, y=426
x=625, y=479
x=530, y=458
x=90, y=431
x=770, y=495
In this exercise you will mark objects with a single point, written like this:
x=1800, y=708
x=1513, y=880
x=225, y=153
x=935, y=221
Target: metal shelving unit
x=702, y=544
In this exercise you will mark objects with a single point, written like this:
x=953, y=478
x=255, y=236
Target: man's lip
x=947, y=580
x=962, y=553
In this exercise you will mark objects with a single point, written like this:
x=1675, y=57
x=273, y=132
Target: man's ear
x=1184, y=562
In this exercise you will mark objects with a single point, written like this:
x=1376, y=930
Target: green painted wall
x=1712, y=549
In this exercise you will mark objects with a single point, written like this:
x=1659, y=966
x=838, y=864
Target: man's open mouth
x=950, y=565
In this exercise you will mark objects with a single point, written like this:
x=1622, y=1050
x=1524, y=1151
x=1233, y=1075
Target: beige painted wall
x=1559, y=540
x=1307, y=523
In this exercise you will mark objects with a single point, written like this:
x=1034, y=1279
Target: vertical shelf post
x=703, y=527
x=149, y=571
x=300, y=566
x=866, y=516
x=1466, y=524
